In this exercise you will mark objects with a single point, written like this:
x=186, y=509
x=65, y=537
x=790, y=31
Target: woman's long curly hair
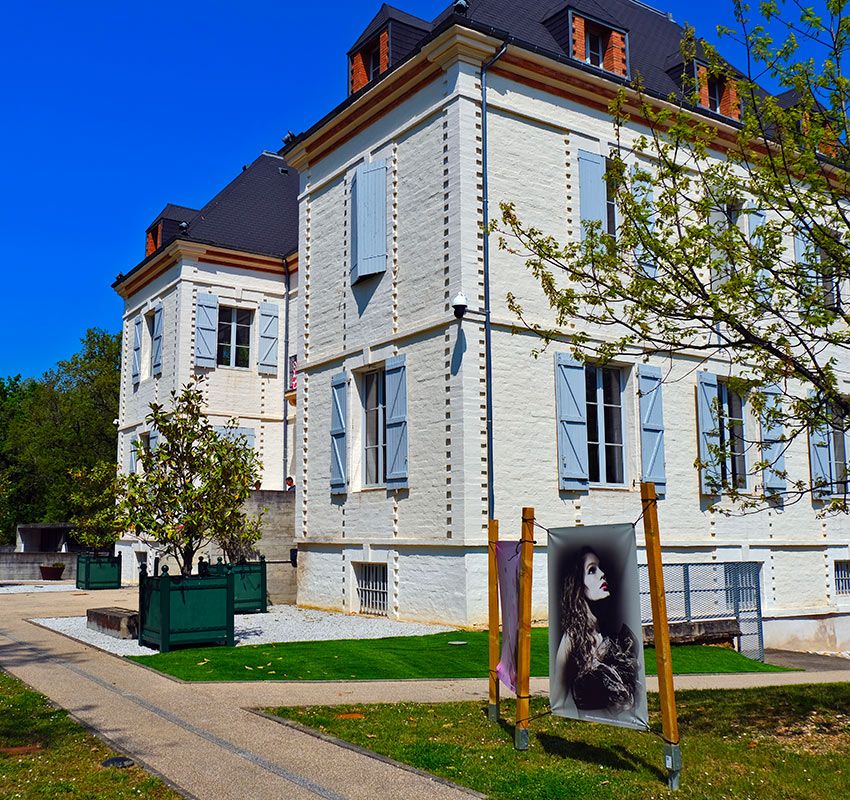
x=578, y=623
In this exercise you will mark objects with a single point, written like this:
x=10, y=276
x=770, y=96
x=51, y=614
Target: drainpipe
x=286, y=281
x=488, y=333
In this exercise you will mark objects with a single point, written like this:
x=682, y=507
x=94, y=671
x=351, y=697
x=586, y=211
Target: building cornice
x=180, y=249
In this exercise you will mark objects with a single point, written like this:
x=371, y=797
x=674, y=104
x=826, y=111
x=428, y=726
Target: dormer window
x=369, y=62
x=715, y=92
x=374, y=63
x=598, y=44
x=594, y=47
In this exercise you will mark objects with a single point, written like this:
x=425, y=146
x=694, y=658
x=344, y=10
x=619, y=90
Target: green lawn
x=397, y=658
x=779, y=743
x=63, y=760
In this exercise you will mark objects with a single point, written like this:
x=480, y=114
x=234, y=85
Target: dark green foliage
x=62, y=421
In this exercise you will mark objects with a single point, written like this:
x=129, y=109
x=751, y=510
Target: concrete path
x=203, y=738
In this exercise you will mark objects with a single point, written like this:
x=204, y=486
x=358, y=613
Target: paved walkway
x=204, y=739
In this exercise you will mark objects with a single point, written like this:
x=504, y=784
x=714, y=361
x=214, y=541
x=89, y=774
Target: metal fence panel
x=700, y=592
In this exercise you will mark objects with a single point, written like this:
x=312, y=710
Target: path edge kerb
x=297, y=726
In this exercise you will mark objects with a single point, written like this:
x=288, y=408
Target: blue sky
x=111, y=110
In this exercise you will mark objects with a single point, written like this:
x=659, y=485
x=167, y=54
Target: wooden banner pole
x=524, y=640
x=661, y=634
x=493, y=614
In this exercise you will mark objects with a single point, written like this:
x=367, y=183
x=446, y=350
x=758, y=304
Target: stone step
x=122, y=623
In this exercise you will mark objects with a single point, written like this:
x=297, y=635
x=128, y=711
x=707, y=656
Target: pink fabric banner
x=507, y=560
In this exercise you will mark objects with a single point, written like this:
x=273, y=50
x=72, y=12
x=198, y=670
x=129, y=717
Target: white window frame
x=717, y=96
x=596, y=34
x=233, y=326
x=600, y=434
x=730, y=470
x=380, y=446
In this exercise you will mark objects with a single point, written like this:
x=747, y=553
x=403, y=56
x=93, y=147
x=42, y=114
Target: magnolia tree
x=96, y=502
x=192, y=483
x=727, y=248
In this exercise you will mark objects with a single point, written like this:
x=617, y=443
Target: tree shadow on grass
x=615, y=756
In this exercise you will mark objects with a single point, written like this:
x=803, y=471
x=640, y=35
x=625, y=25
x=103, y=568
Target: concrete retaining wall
x=278, y=538
x=24, y=566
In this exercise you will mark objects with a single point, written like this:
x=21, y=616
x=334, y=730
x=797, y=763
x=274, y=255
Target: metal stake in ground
x=493, y=614
x=524, y=638
x=661, y=634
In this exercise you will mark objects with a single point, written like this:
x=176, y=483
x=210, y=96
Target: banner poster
x=508, y=560
x=596, y=667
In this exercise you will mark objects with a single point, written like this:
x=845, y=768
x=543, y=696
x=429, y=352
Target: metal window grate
x=372, y=588
x=842, y=577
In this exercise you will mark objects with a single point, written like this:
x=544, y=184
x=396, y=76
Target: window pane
x=371, y=391
x=593, y=462
x=611, y=387
x=223, y=357
x=371, y=466
x=371, y=427
x=225, y=315
x=590, y=384
x=243, y=317
x=592, y=423
x=223, y=332
x=243, y=335
x=613, y=464
x=613, y=425
x=243, y=357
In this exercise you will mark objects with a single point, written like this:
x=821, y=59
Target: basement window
x=372, y=591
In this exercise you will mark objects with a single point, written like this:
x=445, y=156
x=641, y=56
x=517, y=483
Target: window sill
x=235, y=369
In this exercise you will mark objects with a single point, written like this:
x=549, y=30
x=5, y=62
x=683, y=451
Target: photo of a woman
x=597, y=661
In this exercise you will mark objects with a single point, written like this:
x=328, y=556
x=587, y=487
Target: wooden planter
x=51, y=573
x=185, y=610
x=98, y=572
x=250, y=584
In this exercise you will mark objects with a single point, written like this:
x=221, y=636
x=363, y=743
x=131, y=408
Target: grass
x=408, y=657
x=779, y=743
x=61, y=759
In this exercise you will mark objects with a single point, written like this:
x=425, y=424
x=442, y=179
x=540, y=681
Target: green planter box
x=185, y=609
x=250, y=587
x=98, y=572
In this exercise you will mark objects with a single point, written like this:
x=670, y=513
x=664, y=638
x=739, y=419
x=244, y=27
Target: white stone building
x=392, y=475
x=216, y=296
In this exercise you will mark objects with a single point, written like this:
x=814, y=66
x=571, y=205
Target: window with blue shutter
x=592, y=189
x=134, y=444
x=820, y=460
x=709, y=433
x=267, y=358
x=369, y=221
x=339, y=447
x=396, y=420
x=772, y=444
x=571, y=413
x=643, y=194
x=137, y=351
x=153, y=439
x=653, y=469
x=206, y=323
x=156, y=341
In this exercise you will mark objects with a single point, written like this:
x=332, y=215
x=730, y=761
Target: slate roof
x=257, y=212
x=385, y=14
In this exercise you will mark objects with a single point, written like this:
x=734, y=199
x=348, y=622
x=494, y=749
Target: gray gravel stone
x=281, y=624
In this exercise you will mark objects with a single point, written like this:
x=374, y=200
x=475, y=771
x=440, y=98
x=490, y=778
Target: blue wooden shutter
x=156, y=341
x=652, y=428
x=820, y=459
x=395, y=373
x=643, y=259
x=339, y=447
x=592, y=190
x=369, y=221
x=206, y=325
x=137, y=350
x=571, y=409
x=153, y=439
x=267, y=357
x=134, y=443
x=772, y=446
x=756, y=219
x=709, y=433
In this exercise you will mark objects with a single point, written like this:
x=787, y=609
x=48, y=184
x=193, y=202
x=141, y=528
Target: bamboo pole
x=524, y=633
x=661, y=633
x=493, y=611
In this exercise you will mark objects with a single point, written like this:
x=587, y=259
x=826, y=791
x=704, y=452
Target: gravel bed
x=29, y=588
x=281, y=624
